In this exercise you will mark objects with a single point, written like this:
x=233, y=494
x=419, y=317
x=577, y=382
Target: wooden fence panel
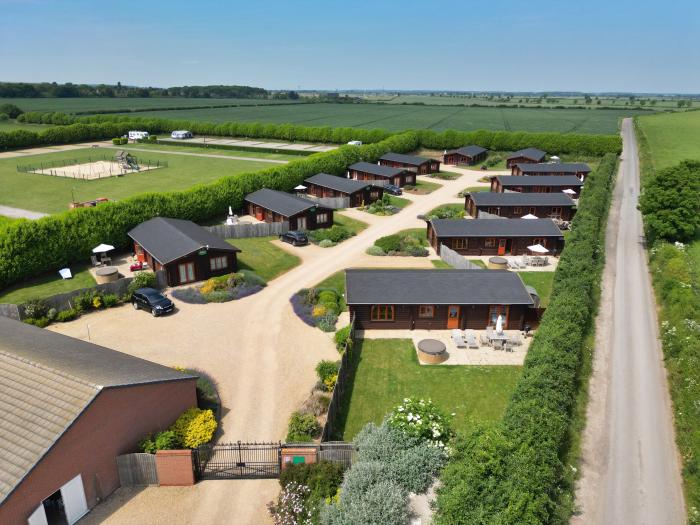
x=456, y=260
x=341, y=385
x=240, y=231
x=137, y=470
x=336, y=203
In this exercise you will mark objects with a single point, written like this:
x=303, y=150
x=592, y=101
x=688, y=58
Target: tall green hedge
x=28, y=248
x=511, y=473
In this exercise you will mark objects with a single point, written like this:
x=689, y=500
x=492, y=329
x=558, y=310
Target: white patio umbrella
x=529, y=216
x=499, y=324
x=538, y=248
x=569, y=191
x=230, y=211
x=65, y=273
x=102, y=248
x=301, y=187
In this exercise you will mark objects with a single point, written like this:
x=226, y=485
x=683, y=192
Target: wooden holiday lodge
x=467, y=155
x=277, y=206
x=524, y=156
x=537, y=184
x=516, y=205
x=366, y=171
x=358, y=192
x=420, y=165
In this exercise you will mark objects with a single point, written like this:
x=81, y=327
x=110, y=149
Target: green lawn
x=540, y=281
x=419, y=234
x=48, y=285
x=439, y=263
x=45, y=193
x=398, y=202
x=473, y=189
x=455, y=207
x=445, y=175
x=211, y=150
x=351, y=224
x=387, y=370
x=422, y=187
x=259, y=255
x=4, y=221
x=671, y=137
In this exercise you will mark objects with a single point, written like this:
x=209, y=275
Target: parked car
x=483, y=167
x=295, y=238
x=393, y=190
x=151, y=299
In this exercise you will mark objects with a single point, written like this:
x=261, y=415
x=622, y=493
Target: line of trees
x=70, y=90
x=512, y=472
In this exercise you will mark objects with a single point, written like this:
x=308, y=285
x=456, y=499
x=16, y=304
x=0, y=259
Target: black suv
x=153, y=300
x=393, y=190
x=295, y=238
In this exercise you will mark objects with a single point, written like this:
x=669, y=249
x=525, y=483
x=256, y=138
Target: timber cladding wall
x=112, y=425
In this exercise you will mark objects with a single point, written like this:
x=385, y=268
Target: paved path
x=209, y=155
x=631, y=472
x=261, y=355
x=19, y=213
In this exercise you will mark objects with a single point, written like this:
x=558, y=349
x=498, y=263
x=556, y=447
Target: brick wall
x=174, y=468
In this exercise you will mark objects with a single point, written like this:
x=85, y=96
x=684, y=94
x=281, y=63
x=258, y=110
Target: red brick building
x=74, y=407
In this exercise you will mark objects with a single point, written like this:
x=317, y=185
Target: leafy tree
x=11, y=110
x=670, y=203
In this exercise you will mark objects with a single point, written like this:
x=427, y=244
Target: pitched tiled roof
x=496, y=228
x=47, y=380
x=376, y=169
x=555, y=167
x=406, y=159
x=565, y=181
x=385, y=286
x=170, y=239
x=487, y=198
x=280, y=202
x=337, y=183
x=529, y=153
x=469, y=151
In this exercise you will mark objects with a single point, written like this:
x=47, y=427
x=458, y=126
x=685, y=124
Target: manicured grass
x=422, y=187
x=259, y=255
x=457, y=207
x=351, y=224
x=211, y=150
x=540, y=281
x=48, y=285
x=440, y=264
x=387, y=370
x=671, y=137
x=445, y=175
x=398, y=201
x=398, y=117
x=473, y=189
x=417, y=233
x=49, y=194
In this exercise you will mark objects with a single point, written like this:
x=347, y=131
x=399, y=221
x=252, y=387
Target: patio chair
x=509, y=346
x=484, y=340
x=457, y=339
x=525, y=260
x=94, y=260
x=517, y=340
x=498, y=344
x=471, y=339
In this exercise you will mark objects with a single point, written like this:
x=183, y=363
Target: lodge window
x=382, y=312
x=490, y=243
x=540, y=240
x=218, y=263
x=533, y=211
x=517, y=210
x=321, y=218
x=426, y=311
x=374, y=195
x=459, y=244
x=556, y=212
x=493, y=211
x=499, y=309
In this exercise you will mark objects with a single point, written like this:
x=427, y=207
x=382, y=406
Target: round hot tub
x=432, y=351
x=106, y=274
x=498, y=263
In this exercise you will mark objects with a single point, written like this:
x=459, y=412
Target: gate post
x=294, y=455
x=175, y=468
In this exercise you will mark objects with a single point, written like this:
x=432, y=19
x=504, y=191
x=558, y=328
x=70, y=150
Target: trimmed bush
x=322, y=478
x=375, y=250
x=390, y=243
x=67, y=315
x=109, y=300
x=35, y=309
x=327, y=372
x=335, y=234
x=141, y=280
x=342, y=338
x=194, y=427
x=302, y=428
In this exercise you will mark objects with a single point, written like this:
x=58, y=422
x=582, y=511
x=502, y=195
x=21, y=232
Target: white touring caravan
x=181, y=134
x=136, y=135
x=355, y=143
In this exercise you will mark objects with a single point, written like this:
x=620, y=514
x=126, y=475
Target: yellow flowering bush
x=319, y=311
x=195, y=427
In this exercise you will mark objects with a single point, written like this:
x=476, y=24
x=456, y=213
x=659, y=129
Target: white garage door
x=74, y=499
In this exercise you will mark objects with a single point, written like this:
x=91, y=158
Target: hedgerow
x=511, y=472
x=28, y=248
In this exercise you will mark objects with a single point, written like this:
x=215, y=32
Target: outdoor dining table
x=493, y=336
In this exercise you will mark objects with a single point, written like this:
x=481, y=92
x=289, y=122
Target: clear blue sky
x=594, y=45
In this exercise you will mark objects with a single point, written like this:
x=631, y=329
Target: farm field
x=209, y=150
x=49, y=194
x=71, y=105
x=387, y=371
x=671, y=137
x=397, y=117
x=11, y=125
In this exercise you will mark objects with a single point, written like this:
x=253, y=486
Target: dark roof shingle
x=376, y=169
x=565, y=181
x=386, y=286
x=469, y=151
x=336, y=183
x=280, y=202
x=555, y=167
x=169, y=239
x=412, y=160
x=495, y=228
x=487, y=198
x=528, y=153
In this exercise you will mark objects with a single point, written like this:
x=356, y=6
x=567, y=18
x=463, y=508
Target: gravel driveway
x=260, y=354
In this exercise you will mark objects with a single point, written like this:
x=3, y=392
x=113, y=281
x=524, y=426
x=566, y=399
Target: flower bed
x=407, y=243
x=318, y=307
x=328, y=237
x=222, y=289
x=382, y=206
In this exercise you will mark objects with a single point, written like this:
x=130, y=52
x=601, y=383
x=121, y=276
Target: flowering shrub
x=330, y=382
x=222, y=289
x=292, y=507
x=421, y=419
x=302, y=427
x=194, y=427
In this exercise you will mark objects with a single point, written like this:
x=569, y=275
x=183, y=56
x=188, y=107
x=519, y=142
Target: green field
x=11, y=125
x=397, y=117
x=49, y=194
x=209, y=150
x=71, y=105
x=671, y=137
x=47, y=285
x=387, y=371
x=259, y=255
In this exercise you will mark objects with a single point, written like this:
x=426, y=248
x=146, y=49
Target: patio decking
x=484, y=355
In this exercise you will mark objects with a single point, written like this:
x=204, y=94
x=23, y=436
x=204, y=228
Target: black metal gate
x=238, y=461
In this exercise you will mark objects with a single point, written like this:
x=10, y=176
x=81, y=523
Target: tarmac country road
x=631, y=472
